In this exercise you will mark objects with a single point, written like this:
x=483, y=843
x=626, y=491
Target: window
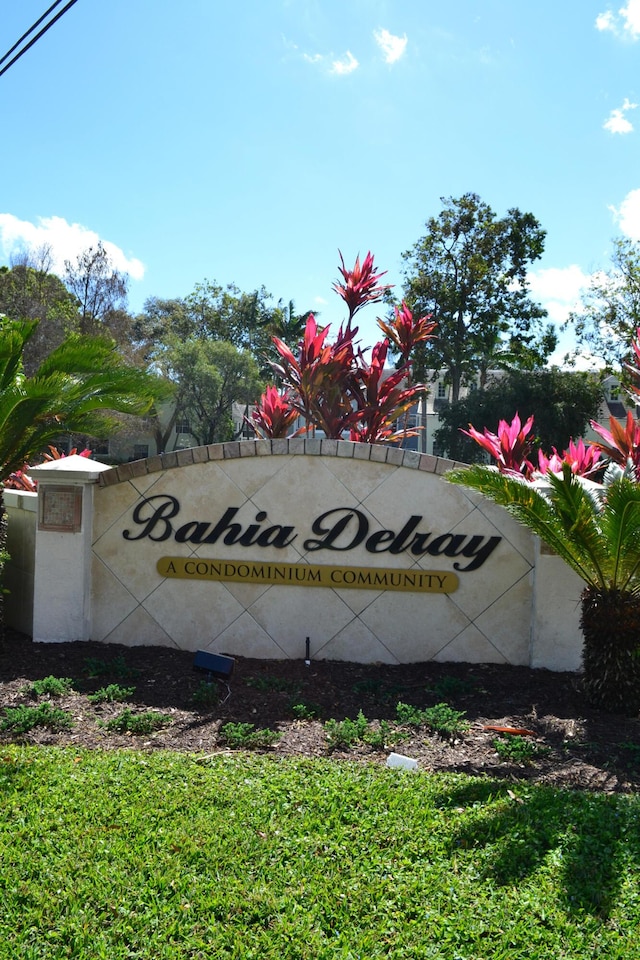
x=183, y=426
x=100, y=448
x=442, y=391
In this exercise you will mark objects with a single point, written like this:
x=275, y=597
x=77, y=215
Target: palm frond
x=76, y=389
x=620, y=527
x=574, y=538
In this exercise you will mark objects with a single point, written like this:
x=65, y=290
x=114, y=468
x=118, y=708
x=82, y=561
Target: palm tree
x=596, y=530
x=75, y=389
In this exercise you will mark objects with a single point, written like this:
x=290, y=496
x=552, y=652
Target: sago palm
x=75, y=389
x=596, y=531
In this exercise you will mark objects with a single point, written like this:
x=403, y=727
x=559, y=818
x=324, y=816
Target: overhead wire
x=33, y=27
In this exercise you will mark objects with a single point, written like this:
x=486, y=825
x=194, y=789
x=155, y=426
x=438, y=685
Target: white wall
x=18, y=578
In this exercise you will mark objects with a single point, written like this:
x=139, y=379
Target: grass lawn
x=159, y=856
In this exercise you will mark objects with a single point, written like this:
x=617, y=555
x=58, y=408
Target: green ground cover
x=166, y=856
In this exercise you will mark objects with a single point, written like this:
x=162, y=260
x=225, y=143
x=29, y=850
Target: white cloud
x=66, y=241
x=605, y=21
x=627, y=24
x=627, y=215
x=392, y=47
x=631, y=16
x=346, y=65
x=617, y=122
x=558, y=289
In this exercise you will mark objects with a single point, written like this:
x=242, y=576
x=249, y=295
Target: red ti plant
x=382, y=400
x=273, y=416
x=584, y=460
x=620, y=444
x=360, y=284
x=320, y=378
x=21, y=480
x=511, y=447
x=405, y=331
x=332, y=386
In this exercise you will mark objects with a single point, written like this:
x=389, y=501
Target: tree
x=101, y=292
x=610, y=311
x=470, y=272
x=29, y=291
x=562, y=402
x=288, y=325
x=209, y=312
x=211, y=376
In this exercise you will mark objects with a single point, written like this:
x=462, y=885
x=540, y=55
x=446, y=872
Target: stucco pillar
x=62, y=581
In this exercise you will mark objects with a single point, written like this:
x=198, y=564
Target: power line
x=37, y=36
x=30, y=30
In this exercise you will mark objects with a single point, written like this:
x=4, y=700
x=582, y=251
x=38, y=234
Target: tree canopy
x=209, y=312
x=28, y=291
x=209, y=377
x=469, y=271
x=609, y=315
x=562, y=402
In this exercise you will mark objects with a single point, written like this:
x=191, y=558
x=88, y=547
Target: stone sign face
x=252, y=547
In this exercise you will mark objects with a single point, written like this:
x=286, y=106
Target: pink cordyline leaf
x=273, y=415
x=22, y=480
x=382, y=400
x=405, y=331
x=511, y=447
x=320, y=379
x=583, y=459
x=620, y=444
x=360, y=284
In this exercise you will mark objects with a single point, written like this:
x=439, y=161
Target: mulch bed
x=581, y=748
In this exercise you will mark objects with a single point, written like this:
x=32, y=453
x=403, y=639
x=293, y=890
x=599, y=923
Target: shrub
x=450, y=686
x=514, y=749
x=305, y=711
x=51, y=686
x=271, y=684
x=344, y=733
x=113, y=693
x=137, y=723
x=117, y=668
x=206, y=695
x=22, y=719
x=440, y=718
x=245, y=735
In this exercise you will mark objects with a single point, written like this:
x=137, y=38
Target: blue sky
x=247, y=142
